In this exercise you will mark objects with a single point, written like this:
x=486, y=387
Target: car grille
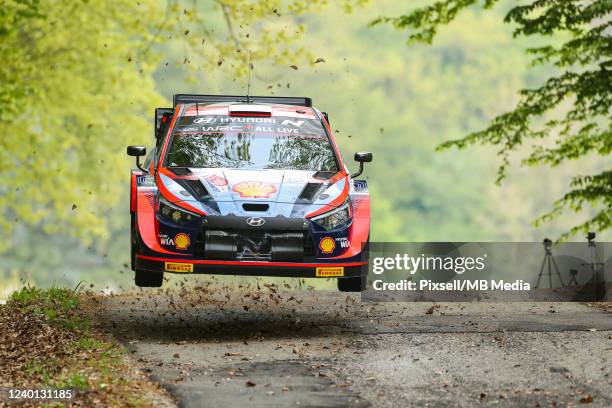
x=249, y=245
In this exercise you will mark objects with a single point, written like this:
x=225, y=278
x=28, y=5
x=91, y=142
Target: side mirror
x=361, y=157
x=137, y=151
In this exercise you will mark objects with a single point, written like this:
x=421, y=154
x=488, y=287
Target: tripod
x=573, y=281
x=596, y=266
x=549, y=261
x=596, y=263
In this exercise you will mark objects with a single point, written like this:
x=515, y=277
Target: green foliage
x=27, y=296
x=75, y=381
x=427, y=20
x=574, y=106
x=76, y=87
x=400, y=104
x=58, y=305
x=77, y=100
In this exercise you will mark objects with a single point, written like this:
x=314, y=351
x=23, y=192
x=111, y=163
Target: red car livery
x=250, y=186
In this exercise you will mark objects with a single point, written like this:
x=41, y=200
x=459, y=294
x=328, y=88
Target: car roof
x=191, y=109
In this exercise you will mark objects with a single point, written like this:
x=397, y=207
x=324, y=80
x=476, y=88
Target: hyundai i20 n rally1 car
x=247, y=186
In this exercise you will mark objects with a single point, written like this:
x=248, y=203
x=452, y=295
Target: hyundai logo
x=255, y=221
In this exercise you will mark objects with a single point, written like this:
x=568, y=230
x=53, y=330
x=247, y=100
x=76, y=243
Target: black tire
x=146, y=279
x=357, y=284
x=133, y=242
x=352, y=284
x=133, y=256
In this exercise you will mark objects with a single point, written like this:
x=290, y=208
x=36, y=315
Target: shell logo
x=254, y=189
x=182, y=241
x=327, y=245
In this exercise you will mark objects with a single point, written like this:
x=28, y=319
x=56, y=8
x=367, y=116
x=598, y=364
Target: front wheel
x=146, y=279
x=133, y=241
x=359, y=283
x=352, y=284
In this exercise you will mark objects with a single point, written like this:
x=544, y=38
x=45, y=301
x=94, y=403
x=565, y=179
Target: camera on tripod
x=549, y=265
x=590, y=237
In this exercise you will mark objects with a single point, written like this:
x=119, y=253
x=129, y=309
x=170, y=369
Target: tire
x=145, y=279
x=352, y=284
x=357, y=284
x=133, y=242
x=133, y=256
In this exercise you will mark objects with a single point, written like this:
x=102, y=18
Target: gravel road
x=236, y=346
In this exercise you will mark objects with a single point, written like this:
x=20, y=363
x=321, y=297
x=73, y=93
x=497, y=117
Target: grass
x=58, y=305
x=59, y=347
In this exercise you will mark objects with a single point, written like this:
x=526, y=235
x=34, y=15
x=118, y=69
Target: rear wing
x=209, y=99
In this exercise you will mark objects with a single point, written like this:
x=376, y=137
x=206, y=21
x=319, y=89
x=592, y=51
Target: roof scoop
x=250, y=110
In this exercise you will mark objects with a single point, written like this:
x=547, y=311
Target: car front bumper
x=291, y=249
x=157, y=264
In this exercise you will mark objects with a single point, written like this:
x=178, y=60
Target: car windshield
x=275, y=142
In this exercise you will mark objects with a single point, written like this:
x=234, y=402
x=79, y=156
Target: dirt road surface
x=239, y=346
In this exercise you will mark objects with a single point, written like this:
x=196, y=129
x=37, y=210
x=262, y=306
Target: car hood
x=290, y=193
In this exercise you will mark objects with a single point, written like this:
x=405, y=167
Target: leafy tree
x=569, y=114
x=77, y=86
x=401, y=105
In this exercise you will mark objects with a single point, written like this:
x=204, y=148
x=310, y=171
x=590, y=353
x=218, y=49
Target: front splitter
x=252, y=268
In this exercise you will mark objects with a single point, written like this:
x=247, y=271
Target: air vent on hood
x=255, y=207
x=309, y=191
x=180, y=171
x=197, y=187
x=324, y=174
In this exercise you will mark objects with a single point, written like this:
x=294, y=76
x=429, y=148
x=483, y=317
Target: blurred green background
x=86, y=77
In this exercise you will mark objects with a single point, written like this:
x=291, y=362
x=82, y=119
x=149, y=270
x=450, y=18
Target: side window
x=158, y=149
x=160, y=140
x=152, y=153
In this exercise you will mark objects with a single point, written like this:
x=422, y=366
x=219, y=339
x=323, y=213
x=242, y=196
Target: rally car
x=247, y=186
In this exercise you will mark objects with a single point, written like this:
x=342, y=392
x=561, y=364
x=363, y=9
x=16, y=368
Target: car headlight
x=335, y=218
x=174, y=213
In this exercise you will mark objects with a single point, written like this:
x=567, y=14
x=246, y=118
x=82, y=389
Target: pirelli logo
x=178, y=267
x=328, y=272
